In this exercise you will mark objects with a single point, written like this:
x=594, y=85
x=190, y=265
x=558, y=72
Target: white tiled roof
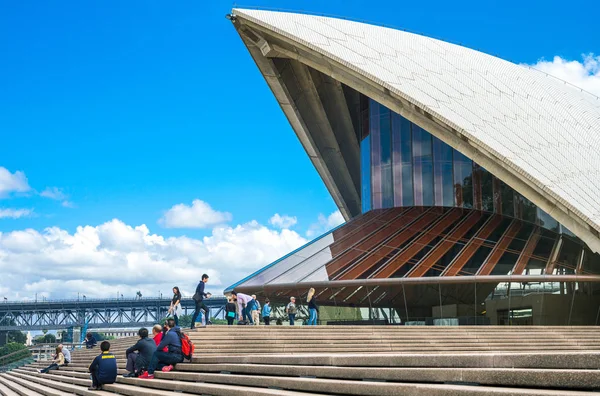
x=545, y=129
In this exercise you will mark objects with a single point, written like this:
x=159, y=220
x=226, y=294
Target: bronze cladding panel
x=471, y=247
x=384, y=231
x=444, y=246
x=527, y=252
x=500, y=248
x=385, y=249
x=417, y=245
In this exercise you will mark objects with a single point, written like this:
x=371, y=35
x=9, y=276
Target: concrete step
x=111, y=390
x=159, y=387
x=536, y=378
x=37, y=389
x=6, y=391
x=557, y=360
x=17, y=389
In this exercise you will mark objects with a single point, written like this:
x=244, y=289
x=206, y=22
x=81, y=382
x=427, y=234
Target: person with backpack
x=256, y=311
x=312, y=307
x=199, y=297
x=172, y=339
x=266, y=312
x=230, y=311
x=291, y=310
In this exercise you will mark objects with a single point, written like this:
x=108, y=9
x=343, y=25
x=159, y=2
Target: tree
x=17, y=337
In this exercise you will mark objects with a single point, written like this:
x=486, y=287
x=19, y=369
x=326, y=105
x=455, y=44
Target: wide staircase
x=350, y=360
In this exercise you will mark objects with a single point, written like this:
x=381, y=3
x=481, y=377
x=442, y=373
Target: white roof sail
x=541, y=129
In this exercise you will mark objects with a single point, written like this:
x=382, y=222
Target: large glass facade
x=403, y=165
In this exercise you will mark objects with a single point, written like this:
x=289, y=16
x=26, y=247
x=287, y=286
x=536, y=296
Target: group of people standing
x=248, y=310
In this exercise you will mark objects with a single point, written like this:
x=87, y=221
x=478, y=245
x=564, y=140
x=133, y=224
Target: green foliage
x=45, y=339
x=11, y=347
x=17, y=337
x=102, y=337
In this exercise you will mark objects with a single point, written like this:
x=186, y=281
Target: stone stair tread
x=13, y=389
x=6, y=391
x=35, y=387
x=565, y=378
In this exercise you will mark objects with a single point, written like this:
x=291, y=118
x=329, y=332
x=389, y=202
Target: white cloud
x=199, y=215
x=15, y=213
x=324, y=224
x=53, y=193
x=57, y=194
x=284, y=221
x=100, y=261
x=585, y=75
x=12, y=182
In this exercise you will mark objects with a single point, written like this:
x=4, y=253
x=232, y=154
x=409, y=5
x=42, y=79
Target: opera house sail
x=470, y=184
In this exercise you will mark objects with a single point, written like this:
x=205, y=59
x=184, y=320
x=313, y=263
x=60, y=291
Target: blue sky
x=129, y=108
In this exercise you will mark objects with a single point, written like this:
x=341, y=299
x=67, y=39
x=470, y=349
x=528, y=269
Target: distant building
x=470, y=185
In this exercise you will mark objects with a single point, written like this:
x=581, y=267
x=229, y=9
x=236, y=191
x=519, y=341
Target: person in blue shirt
x=252, y=307
x=313, y=308
x=103, y=369
x=165, y=360
x=266, y=312
x=90, y=341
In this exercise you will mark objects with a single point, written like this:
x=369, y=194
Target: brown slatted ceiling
x=382, y=250
x=418, y=244
x=409, y=232
x=471, y=247
x=341, y=246
x=554, y=255
x=527, y=252
x=368, y=242
x=354, y=224
x=500, y=248
x=445, y=245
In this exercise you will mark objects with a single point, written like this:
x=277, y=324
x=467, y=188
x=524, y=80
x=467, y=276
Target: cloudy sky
x=140, y=147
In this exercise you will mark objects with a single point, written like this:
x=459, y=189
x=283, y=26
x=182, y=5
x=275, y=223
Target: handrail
x=88, y=300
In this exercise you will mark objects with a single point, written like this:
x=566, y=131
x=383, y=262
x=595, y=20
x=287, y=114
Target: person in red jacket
x=158, y=335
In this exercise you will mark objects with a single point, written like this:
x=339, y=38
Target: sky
x=140, y=146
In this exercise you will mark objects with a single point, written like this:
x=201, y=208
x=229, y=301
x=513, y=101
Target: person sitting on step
x=162, y=360
x=59, y=360
x=139, y=355
x=103, y=369
x=157, y=331
x=67, y=354
x=90, y=341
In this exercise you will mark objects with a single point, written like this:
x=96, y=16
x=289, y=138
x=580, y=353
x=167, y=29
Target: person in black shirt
x=199, y=299
x=230, y=311
x=103, y=369
x=175, y=307
x=136, y=362
x=90, y=341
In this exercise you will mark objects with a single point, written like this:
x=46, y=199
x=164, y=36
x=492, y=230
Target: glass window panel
x=385, y=130
x=423, y=166
x=443, y=177
x=402, y=161
x=365, y=163
x=508, y=199
x=376, y=193
x=477, y=186
x=407, y=185
x=397, y=158
x=529, y=210
x=547, y=221
x=463, y=180
x=487, y=190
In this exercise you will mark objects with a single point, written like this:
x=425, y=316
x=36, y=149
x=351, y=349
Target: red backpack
x=187, y=346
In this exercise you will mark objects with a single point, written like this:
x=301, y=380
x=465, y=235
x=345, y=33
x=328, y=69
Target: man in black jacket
x=136, y=362
x=199, y=299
